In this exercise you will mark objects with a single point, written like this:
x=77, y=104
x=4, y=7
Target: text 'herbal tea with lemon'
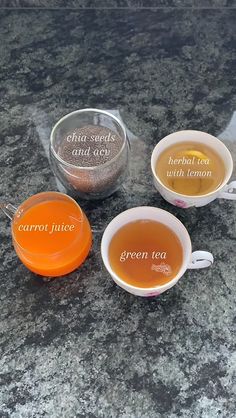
x=190, y=168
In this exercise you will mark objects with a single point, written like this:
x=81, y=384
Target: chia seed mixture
x=90, y=146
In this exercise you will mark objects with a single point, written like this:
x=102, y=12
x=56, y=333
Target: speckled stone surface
x=79, y=346
x=118, y=3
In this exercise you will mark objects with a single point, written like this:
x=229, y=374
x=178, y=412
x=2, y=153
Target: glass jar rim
x=94, y=167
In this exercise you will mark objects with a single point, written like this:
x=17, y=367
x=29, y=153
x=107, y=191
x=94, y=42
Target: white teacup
x=225, y=191
x=195, y=260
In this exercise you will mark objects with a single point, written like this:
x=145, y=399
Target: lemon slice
x=186, y=186
x=192, y=153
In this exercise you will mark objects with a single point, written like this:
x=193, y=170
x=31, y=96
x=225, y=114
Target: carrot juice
x=51, y=234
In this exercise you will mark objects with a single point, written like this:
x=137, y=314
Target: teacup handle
x=229, y=192
x=8, y=209
x=200, y=260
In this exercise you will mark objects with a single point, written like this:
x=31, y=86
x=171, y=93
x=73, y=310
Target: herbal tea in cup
x=192, y=168
x=51, y=234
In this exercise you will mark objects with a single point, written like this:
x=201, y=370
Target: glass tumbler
x=51, y=234
x=95, y=181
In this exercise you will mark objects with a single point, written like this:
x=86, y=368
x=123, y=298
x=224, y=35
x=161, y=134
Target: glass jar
x=89, y=181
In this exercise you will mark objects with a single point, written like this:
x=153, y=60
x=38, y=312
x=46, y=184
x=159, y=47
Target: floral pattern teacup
x=225, y=191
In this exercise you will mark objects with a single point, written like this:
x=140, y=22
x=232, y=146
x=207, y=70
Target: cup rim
x=168, y=284
x=223, y=184
x=94, y=167
x=40, y=194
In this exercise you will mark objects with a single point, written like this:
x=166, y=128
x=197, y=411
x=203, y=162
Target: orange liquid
x=48, y=251
x=145, y=253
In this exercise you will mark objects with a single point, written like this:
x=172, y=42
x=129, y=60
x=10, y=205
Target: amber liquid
x=140, y=239
x=190, y=168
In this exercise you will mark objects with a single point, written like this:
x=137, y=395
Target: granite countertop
x=79, y=346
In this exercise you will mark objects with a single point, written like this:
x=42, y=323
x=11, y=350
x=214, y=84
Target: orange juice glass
x=51, y=234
